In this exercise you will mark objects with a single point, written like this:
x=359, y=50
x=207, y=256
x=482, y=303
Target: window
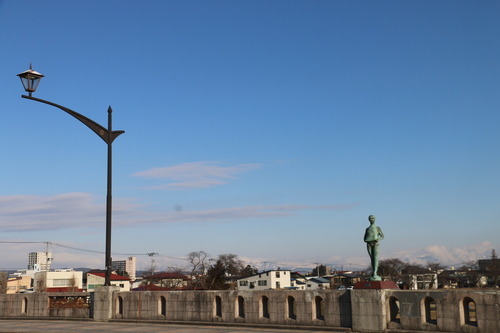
x=119, y=305
x=162, y=306
x=469, y=312
x=430, y=311
x=318, y=308
x=243, y=283
x=264, y=307
x=240, y=303
x=262, y=283
x=394, y=315
x=61, y=282
x=277, y=274
x=218, y=307
x=292, y=308
x=24, y=305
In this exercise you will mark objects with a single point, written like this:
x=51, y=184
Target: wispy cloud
x=194, y=175
x=83, y=211
x=69, y=210
x=448, y=256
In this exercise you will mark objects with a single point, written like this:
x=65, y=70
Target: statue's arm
x=380, y=233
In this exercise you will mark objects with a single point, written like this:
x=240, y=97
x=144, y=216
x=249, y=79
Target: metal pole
x=108, y=136
x=108, y=203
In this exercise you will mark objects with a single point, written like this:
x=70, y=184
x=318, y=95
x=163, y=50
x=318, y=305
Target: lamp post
x=30, y=80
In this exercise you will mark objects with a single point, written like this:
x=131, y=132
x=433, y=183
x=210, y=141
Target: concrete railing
x=360, y=310
x=51, y=305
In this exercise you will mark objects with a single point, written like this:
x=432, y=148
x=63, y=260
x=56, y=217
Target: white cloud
x=194, y=175
x=22, y=213
x=445, y=255
x=69, y=210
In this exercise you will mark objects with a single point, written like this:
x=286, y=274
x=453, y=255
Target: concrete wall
x=283, y=307
x=470, y=311
x=37, y=305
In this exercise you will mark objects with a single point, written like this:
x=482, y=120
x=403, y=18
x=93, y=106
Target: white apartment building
x=274, y=279
x=41, y=258
x=58, y=280
x=128, y=266
x=98, y=279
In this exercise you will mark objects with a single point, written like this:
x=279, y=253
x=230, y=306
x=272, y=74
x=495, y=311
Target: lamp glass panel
x=25, y=82
x=34, y=83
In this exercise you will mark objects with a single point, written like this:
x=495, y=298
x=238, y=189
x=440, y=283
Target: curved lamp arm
x=101, y=131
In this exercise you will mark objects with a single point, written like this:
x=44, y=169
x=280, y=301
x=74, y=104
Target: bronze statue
x=373, y=235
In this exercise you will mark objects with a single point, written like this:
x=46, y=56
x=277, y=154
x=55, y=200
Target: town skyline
x=270, y=130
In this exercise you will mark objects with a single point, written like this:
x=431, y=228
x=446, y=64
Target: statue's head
x=371, y=218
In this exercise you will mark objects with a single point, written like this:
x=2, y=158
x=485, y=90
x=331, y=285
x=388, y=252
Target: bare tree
x=3, y=282
x=41, y=282
x=434, y=267
x=391, y=268
x=470, y=275
x=199, y=263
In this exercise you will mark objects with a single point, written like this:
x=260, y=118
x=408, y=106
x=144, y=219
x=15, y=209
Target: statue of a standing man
x=373, y=235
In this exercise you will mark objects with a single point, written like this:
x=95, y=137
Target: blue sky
x=268, y=129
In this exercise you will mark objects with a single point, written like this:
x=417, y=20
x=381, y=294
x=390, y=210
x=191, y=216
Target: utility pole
x=152, y=255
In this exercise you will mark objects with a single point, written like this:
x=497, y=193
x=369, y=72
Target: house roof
x=113, y=277
x=319, y=280
x=164, y=276
x=273, y=270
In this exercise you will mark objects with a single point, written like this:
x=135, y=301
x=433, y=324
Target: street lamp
x=30, y=80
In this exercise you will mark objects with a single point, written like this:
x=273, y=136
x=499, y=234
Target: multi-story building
x=274, y=279
x=59, y=280
x=96, y=279
x=19, y=284
x=41, y=258
x=128, y=266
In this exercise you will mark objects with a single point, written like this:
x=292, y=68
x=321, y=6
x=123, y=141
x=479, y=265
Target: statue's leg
x=375, y=259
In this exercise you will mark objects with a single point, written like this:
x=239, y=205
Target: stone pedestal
x=103, y=302
x=376, y=285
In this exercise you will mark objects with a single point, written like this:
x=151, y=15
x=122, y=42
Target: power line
x=75, y=248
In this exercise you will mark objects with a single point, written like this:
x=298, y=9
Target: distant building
x=128, y=266
x=41, y=258
x=168, y=280
x=59, y=280
x=19, y=284
x=98, y=279
x=423, y=281
x=317, y=283
x=274, y=279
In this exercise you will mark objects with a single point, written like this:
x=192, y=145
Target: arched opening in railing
x=119, y=305
x=24, y=305
x=394, y=313
x=292, y=308
x=218, y=307
x=318, y=308
x=162, y=306
x=469, y=314
x=264, y=307
x=240, y=307
x=430, y=314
